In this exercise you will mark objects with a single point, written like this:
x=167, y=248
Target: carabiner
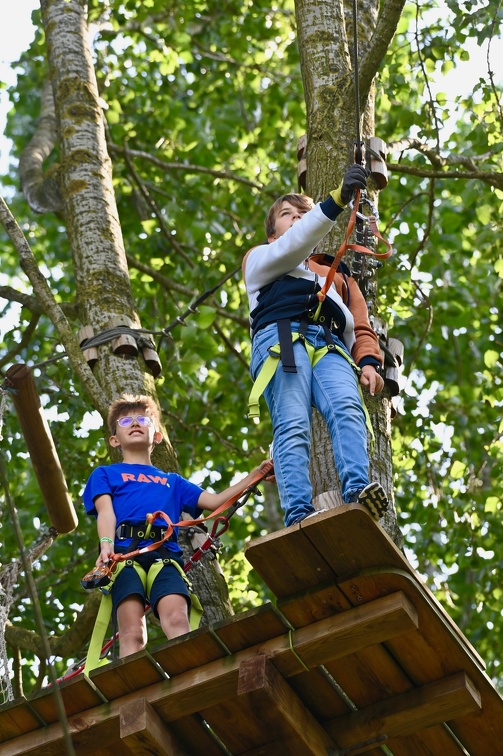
x=361, y=216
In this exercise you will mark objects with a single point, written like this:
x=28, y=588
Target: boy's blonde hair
x=129, y=403
x=300, y=201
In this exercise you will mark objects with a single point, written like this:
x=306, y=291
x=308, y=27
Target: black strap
x=138, y=533
x=286, y=346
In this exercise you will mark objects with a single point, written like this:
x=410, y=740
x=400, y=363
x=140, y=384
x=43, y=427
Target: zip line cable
x=356, y=76
x=140, y=334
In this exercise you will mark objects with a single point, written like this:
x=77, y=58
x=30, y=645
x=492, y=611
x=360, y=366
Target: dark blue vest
x=293, y=298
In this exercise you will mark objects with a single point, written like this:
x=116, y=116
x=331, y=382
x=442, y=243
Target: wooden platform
x=357, y=654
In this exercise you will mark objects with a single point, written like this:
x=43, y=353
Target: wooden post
x=124, y=344
x=41, y=449
x=150, y=356
x=378, y=166
x=392, y=369
x=90, y=355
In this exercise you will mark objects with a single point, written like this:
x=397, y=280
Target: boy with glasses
x=120, y=496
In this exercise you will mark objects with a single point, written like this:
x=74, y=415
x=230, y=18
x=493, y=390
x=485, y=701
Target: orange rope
x=108, y=569
x=355, y=247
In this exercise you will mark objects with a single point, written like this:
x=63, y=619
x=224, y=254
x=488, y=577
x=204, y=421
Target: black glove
x=354, y=178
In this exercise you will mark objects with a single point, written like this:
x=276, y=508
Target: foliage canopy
x=204, y=107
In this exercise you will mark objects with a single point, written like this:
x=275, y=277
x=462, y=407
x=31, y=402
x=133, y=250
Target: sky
x=16, y=34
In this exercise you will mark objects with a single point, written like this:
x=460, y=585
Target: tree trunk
x=100, y=268
x=327, y=51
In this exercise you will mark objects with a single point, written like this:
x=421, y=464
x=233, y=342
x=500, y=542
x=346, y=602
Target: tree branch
x=154, y=208
x=52, y=309
x=493, y=179
x=41, y=192
x=25, y=340
x=189, y=168
x=371, y=61
x=32, y=303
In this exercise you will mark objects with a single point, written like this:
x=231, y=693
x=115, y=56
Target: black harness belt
x=139, y=532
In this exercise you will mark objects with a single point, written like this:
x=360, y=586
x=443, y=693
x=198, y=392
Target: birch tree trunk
x=88, y=204
x=327, y=47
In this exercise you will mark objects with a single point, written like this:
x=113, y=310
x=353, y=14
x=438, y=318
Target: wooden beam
x=41, y=449
x=143, y=731
x=215, y=682
x=346, y=633
x=283, y=714
x=410, y=712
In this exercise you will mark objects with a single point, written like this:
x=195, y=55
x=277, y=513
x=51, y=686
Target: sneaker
x=374, y=499
x=316, y=511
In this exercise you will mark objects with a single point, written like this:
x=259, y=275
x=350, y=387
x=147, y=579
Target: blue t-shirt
x=138, y=490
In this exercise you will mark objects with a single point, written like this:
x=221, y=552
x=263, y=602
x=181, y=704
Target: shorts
x=168, y=581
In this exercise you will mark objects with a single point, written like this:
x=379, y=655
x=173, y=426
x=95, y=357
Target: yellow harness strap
x=105, y=611
x=270, y=366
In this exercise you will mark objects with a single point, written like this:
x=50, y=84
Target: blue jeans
x=331, y=387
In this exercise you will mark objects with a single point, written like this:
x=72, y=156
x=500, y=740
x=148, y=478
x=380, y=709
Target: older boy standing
x=322, y=355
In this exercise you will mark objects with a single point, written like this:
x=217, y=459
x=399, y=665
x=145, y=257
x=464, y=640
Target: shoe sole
x=374, y=500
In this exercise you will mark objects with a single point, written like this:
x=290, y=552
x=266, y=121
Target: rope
x=25, y=561
x=358, y=145
x=92, y=578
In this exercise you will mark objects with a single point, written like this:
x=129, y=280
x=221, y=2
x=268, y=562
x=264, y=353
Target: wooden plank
x=91, y=736
x=216, y=682
x=318, y=694
x=249, y=628
x=179, y=655
x=265, y=711
x=273, y=700
x=433, y=740
x=127, y=675
x=288, y=749
x=288, y=563
x=435, y=653
x=339, y=538
x=18, y=717
x=78, y=694
x=142, y=731
x=403, y=715
x=312, y=604
x=196, y=735
x=348, y=632
x=373, y=674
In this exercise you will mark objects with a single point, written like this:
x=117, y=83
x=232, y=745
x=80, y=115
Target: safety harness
x=105, y=576
x=93, y=658
x=284, y=350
